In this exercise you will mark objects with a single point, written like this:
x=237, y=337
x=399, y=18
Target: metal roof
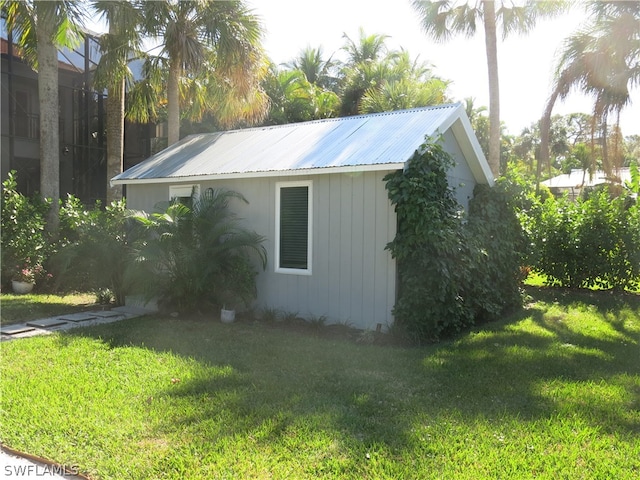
x=579, y=178
x=365, y=142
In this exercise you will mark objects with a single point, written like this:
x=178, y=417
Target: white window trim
x=295, y=271
x=183, y=191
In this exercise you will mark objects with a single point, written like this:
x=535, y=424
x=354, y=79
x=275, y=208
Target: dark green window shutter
x=294, y=227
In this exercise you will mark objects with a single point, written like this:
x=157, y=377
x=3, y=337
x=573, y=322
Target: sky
x=525, y=62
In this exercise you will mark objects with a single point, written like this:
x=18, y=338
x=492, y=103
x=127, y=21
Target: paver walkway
x=45, y=326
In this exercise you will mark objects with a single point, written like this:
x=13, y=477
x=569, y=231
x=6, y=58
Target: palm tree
x=193, y=252
x=316, y=69
x=361, y=69
x=294, y=99
x=117, y=47
x=601, y=60
x=402, y=83
x=209, y=91
x=443, y=19
x=41, y=28
x=369, y=48
x=224, y=36
x=376, y=79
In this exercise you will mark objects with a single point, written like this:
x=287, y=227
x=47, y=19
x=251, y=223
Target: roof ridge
x=339, y=119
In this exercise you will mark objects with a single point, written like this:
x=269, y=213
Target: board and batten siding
x=353, y=279
x=460, y=177
x=353, y=276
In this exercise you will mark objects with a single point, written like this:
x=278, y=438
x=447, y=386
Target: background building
x=82, y=122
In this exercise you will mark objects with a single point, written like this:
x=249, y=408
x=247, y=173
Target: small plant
x=317, y=322
x=238, y=285
x=27, y=273
x=269, y=315
x=95, y=248
x=289, y=318
x=104, y=296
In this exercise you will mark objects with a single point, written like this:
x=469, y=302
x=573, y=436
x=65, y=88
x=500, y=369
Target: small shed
x=328, y=259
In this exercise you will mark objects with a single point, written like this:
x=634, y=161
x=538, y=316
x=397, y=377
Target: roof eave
x=463, y=131
x=259, y=174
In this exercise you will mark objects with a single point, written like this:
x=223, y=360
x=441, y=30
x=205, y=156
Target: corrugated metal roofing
x=380, y=139
x=579, y=178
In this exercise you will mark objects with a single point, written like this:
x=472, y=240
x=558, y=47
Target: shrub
x=94, y=248
x=197, y=256
x=592, y=242
x=24, y=243
x=497, y=244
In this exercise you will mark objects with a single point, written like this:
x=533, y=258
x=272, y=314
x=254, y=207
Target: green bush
x=592, y=242
x=24, y=243
x=497, y=242
x=450, y=272
x=94, y=248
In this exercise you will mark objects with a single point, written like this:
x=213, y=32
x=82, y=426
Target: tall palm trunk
x=545, y=127
x=49, y=114
x=115, y=138
x=115, y=130
x=490, y=40
x=173, y=101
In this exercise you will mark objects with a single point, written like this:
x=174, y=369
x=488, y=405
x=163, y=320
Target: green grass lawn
x=552, y=392
x=535, y=279
x=22, y=308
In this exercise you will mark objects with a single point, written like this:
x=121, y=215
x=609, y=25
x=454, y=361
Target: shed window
x=293, y=227
x=184, y=193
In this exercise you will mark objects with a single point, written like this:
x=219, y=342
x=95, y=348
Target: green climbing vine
x=447, y=263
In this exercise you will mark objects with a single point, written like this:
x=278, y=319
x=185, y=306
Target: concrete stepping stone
x=46, y=322
x=15, y=329
x=78, y=317
x=105, y=313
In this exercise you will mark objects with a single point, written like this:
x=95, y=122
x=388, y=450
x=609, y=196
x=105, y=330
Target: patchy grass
x=551, y=392
x=22, y=308
x=535, y=279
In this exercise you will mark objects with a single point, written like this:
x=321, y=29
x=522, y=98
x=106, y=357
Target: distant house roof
x=579, y=179
x=380, y=141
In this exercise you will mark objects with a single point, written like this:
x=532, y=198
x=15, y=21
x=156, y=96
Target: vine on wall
x=451, y=272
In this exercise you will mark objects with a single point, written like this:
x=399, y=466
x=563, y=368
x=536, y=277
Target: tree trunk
x=490, y=39
x=545, y=128
x=173, y=100
x=49, y=128
x=115, y=139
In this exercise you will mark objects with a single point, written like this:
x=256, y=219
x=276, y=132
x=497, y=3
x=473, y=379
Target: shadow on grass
x=529, y=366
x=536, y=365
